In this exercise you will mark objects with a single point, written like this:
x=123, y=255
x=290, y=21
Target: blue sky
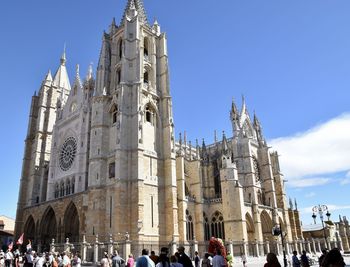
x=290, y=59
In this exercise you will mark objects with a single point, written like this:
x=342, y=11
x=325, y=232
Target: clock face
x=67, y=153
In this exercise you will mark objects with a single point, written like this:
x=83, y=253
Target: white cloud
x=320, y=151
x=308, y=182
x=346, y=180
x=311, y=194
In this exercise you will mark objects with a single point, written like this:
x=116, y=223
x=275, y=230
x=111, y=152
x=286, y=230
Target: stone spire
x=291, y=204
x=296, y=204
x=89, y=75
x=77, y=81
x=225, y=147
x=61, y=79
x=234, y=116
x=138, y=6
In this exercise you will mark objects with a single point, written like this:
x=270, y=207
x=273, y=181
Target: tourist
x=229, y=259
x=272, y=261
x=321, y=258
x=295, y=260
x=8, y=258
x=105, y=260
x=333, y=259
x=174, y=263
x=117, y=261
x=304, y=260
x=197, y=259
x=154, y=257
x=144, y=260
x=66, y=260
x=163, y=260
x=131, y=261
x=183, y=258
x=76, y=262
x=206, y=262
x=218, y=260
x=244, y=259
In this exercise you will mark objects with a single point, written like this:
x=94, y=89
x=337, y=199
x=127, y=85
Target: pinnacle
x=138, y=6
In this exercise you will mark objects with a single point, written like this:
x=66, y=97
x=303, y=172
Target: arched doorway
x=250, y=233
x=71, y=223
x=48, y=229
x=29, y=230
x=266, y=227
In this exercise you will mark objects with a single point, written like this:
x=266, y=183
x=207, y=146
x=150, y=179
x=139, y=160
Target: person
x=76, y=262
x=154, y=257
x=333, y=259
x=163, y=260
x=105, y=260
x=304, y=260
x=66, y=260
x=117, y=261
x=174, y=263
x=183, y=258
x=271, y=260
x=8, y=258
x=144, y=260
x=197, y=260
x=206, y=262
x=131, y=261
x=321, y=258
x=218, y=260
x=244, y=259
x=295, y=260
x=229, y=259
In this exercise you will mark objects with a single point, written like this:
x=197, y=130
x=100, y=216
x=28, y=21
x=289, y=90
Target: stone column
x=96, y=259
x=308, y=246
x=84, y=251
x=313, y=245
x=52, y=245
x=173, y=247
x=110, y=245
x=127, y=248
x=195, y=244
x=267, y=246
x=230, y=247
x=245, y=249
x=277, y=248
x=296, y=245
x=319, y=245
x=256, y=247
x=301, y=245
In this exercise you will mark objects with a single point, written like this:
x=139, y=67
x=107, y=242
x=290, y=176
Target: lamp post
x=276, y=231
x=320, y=209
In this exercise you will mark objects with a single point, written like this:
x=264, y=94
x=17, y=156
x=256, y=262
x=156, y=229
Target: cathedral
x=101, y=161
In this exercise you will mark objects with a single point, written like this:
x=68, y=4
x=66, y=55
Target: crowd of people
x=332, y=258
x=33, y=259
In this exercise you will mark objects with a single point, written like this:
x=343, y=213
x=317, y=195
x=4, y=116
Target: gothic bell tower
x=132, y=131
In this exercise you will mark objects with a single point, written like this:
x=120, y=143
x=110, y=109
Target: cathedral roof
x=138, y=5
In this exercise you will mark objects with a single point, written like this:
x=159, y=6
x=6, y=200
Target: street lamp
x=276, y=231
x=320, y=209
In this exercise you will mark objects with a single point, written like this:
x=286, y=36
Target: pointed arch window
x=114, y=114
x=206, y=227
x=217, y=225
x=62, y=189
x=57, y=190
x=119, y=75
x=120, y=48
x=146, y=78
x=145, y=48
x=150, y=115
x=68, y=187
x=189, y=226
x=73, y=185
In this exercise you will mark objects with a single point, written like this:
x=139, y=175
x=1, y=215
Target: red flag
x=20, y=240
x=10, y=246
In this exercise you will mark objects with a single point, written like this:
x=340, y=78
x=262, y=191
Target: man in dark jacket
x=183, y=258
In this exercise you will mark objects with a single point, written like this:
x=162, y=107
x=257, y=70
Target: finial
x=215, y=137
x=77, y=70
x=63, y=57
x=34, y=93
x=197, y=145
x=185, y=138
x=295, y=203
x=290, y=203
x=113, y=21
x=89, y=73
x=180, y=139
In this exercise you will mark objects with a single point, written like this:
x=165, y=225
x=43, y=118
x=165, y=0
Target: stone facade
x=101, y=159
